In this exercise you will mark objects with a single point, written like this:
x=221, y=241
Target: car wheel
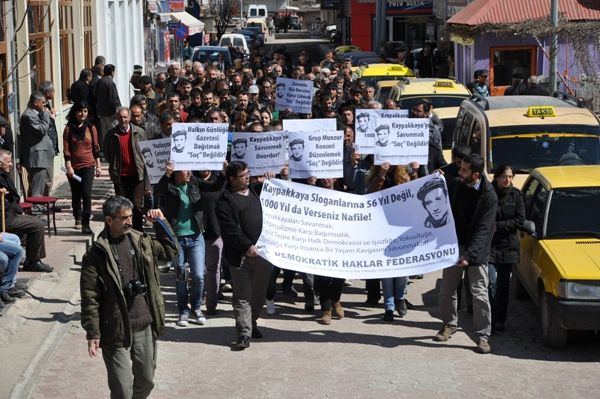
x=519, y=291
x=554, y=335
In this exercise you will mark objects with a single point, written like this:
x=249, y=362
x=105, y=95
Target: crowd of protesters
x=216, y=217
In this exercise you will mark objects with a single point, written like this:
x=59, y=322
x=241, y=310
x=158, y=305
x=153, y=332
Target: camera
x=135, y=287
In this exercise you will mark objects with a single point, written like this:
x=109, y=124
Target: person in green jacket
x=122, y=308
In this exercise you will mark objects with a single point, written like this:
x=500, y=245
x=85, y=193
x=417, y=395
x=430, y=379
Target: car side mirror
x=528, y=227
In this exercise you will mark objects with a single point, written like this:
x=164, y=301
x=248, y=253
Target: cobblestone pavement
x=43, y=348
x=359, y=356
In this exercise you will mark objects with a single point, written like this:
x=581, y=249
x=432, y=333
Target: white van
x=235, y=40
x=257, y=10
x=258, y=21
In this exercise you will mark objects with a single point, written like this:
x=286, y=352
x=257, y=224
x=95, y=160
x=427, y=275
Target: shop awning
x=189, y=24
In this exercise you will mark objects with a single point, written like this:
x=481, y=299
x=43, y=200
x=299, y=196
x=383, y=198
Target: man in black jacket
x=474, y=204
x=106, y=98
x=240, y=216
x=27, y=226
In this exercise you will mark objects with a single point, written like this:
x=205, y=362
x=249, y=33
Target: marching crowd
x=208, y=222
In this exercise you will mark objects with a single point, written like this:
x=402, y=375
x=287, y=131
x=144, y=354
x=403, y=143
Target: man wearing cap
x=253, y=104
x=383, y=135
x=297, y=149
x=179, y=139
x=434, y=198
x=363, y=122
x=239, y=149
x=146, y=89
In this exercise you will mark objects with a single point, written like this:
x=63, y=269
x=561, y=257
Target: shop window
x=507, y=62
x=66, y=35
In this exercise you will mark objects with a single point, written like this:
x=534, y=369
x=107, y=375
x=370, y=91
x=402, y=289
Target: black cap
x=179, y=133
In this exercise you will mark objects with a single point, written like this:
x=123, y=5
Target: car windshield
x=437, y=101
x=211, y=56
x=574, y=212
x=372, y=80
x=525, y=150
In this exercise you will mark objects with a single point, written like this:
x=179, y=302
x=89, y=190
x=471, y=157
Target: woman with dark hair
x=505, y=244
x=266, y=119
x=82, y=162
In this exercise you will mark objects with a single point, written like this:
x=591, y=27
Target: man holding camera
x=122, y=308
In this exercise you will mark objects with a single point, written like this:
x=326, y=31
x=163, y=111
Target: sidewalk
x=31, y=327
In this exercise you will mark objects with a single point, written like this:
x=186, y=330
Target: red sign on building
x=176, y=5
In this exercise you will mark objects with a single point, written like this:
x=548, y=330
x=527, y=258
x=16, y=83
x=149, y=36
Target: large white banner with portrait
x=199, y=146
x=295, y=95
x=156, y=154
x=318, y=154
x=263, y=152
x=402, y=141
x=404, y=230
x=365, y=123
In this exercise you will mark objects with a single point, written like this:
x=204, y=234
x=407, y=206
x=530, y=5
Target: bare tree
x=31, y=46
x=222, y=11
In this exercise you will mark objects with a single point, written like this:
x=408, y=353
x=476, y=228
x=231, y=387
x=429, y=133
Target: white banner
x=365, y=122
x=404, y=230
x=199, y=146
x=310, y=125
x=318, y=154
x=263, y=152
x=295, y=95
x=402, y=141
x=156, y=154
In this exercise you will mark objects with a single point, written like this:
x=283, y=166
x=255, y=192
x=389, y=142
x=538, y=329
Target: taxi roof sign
x=447, y=83
x=541, y=111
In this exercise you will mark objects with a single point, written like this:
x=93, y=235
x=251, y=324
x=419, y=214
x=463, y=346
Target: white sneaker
x=270, y=307
x=199, y=318
x=183, y=320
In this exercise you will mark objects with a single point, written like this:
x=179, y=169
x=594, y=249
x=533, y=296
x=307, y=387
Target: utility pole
x=553, y=44
x=380, y=24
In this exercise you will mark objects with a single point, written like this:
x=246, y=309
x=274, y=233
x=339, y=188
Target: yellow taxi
x=445, y=95
x=560, y=249
x=373, y=73
x=528, y=132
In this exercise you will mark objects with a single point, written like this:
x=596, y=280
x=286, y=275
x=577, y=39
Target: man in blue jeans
x=180, y=199
x=11, y=253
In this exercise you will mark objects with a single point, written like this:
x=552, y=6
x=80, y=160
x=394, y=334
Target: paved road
x=43, y=348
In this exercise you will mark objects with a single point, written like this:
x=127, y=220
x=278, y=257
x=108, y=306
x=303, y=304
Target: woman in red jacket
x=82, y=162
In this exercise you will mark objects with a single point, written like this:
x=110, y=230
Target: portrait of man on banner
x=239, y=149
x=179, y=139
x=297, y=150
x=434, y=198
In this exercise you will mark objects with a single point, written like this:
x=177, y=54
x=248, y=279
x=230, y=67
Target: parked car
x=255, y=33
x=236, y=40
x=560, y=249
x=210, y=54
x=528, y=132
x=373, y=73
